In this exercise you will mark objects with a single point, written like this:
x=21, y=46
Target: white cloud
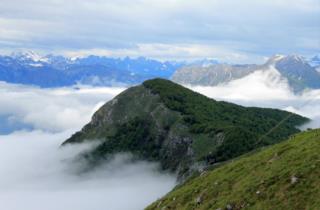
x=255, y=27
x=258, y=86
x=52, y=109
x=172, y=52
x=267, y=89
x=35, y=174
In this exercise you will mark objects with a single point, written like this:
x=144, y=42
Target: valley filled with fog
x=35, y=173
x=267, y=89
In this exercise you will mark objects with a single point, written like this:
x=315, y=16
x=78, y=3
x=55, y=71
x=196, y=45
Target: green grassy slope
x=282, y=176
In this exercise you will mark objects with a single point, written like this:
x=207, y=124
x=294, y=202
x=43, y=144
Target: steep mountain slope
x=183, y=130
x=297, y=71
x=282, y=176
x=293, y=68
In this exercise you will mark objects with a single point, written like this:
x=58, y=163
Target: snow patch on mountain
x=31, y=56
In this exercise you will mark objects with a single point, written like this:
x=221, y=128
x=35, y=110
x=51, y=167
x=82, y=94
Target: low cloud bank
x=267, y=89
x=35, y=174
x=50, y=109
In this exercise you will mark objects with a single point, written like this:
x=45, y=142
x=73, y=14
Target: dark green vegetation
x=282, y=176
x=184, y=130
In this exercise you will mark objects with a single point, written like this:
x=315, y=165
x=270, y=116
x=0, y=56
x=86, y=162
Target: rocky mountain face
x=183, y=130
x=298, y=72
x=211, y=75
x=282, y=176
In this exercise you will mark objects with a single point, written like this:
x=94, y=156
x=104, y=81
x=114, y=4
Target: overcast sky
x=230, y=30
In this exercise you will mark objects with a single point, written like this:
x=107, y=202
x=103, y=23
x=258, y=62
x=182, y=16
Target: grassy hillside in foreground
x=282, y=176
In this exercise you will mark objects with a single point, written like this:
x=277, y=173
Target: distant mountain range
x=57, y=71
x=295, y=69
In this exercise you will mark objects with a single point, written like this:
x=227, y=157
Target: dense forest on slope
x=183, y=130
x=244, y=128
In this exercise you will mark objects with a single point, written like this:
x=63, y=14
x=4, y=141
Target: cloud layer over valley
x=267, y=89
x=36, y=174
x=51, y=109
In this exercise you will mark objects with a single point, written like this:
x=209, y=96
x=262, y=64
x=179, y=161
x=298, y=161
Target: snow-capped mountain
x=55, y=71
x=29, y=56
x=295, y=69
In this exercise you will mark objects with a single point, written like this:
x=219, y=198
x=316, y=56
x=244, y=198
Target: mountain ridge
x=50, y=70
x=57, y=71
x=183, y=130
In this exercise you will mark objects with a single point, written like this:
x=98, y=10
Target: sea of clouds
x=36, y=174
x=267, y=89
